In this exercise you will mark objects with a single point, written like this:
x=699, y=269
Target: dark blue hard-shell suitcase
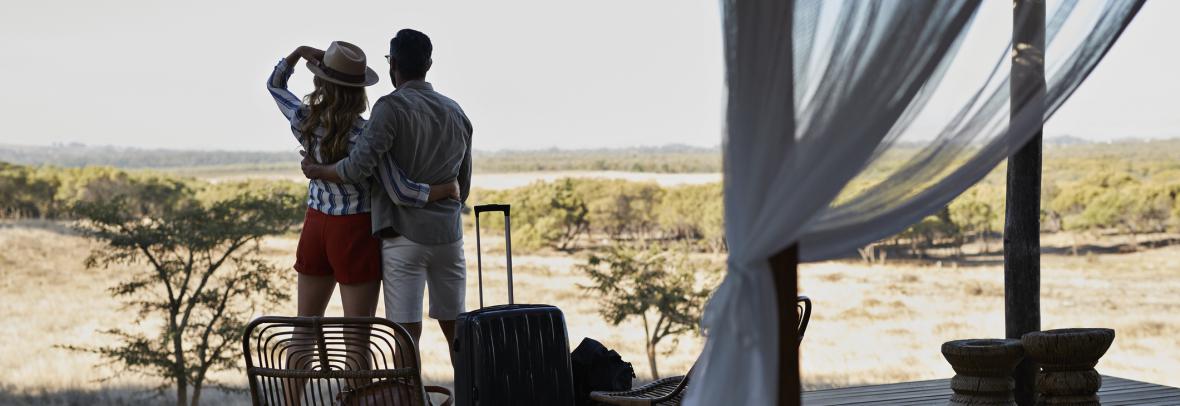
x=513, y=354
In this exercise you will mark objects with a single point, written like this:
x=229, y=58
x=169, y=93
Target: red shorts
x=341, y=246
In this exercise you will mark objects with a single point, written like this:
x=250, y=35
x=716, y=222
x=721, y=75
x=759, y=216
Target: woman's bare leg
x=314, y=293
x=359, y=300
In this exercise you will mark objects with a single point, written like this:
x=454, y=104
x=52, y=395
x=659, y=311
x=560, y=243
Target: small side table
x=1067, y=358
x=983, y=370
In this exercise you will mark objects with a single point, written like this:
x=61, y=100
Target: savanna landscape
x=1110, y=216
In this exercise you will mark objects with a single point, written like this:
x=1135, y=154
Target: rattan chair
x=669, y=391
x=304, y=361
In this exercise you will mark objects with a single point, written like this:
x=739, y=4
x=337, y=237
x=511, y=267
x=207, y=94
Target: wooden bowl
x=1068, y=348
x=983, y=357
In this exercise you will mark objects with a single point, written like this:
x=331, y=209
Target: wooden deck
x=1115, y=391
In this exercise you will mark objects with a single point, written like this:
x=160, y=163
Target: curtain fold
x=821, y=90
x=973, y=141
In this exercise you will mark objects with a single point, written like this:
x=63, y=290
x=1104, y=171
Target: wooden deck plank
x=887, y=388
x=1140, y=394
x=870, y=388
x=903, y=398
x=1170, y=401
x=1115, y=391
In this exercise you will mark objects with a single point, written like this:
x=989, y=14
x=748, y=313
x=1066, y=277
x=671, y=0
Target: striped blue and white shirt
x=341, y=198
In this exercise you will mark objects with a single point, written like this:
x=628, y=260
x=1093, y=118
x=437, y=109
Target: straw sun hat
x=343, y=64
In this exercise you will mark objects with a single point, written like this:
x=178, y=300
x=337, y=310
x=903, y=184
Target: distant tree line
x=54, y=193
x=668, y=159
x=569, y=214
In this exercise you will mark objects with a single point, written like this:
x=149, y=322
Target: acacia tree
x=547, y=213
x=694, y=212
x=659, y=287
x=1149, y=209
x=568, y=212
x=25, y=194
x=622, y=209
x=974, y=216
x=204, y=277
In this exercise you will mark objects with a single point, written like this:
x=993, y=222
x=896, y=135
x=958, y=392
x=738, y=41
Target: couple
x=384, y=197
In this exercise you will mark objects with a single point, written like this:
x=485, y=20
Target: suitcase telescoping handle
x=507, y=245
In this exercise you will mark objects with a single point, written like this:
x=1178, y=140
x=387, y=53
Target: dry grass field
x=871, y=324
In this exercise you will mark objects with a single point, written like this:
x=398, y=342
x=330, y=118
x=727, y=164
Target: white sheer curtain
x=820, y=90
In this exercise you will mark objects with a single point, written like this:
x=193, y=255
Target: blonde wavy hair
x=334, y=108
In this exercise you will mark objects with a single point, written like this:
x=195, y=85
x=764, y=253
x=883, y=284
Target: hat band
x=341, y=76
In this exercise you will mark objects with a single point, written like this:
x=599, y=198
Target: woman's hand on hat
x=310, y=53
x=305, y=52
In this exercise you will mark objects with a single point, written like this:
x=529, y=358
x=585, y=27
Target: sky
x=529, y=74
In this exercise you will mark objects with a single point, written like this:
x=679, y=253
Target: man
x=429, y=137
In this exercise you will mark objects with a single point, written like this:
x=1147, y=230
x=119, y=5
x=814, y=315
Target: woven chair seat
x=658, y=392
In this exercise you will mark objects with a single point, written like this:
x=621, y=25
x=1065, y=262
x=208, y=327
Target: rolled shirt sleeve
x=276, y=84
x=465, y=168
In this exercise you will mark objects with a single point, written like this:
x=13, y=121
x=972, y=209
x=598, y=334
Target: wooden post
x=785, y=266
x=1022, y=226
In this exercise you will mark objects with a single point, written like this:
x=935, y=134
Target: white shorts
x=408, y=267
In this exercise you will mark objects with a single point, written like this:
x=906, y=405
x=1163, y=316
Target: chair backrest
x=310, y=360
x=803, y=306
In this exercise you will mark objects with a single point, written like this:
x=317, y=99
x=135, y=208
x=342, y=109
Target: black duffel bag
x=597, y=368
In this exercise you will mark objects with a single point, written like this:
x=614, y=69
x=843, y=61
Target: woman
x=336, y=244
